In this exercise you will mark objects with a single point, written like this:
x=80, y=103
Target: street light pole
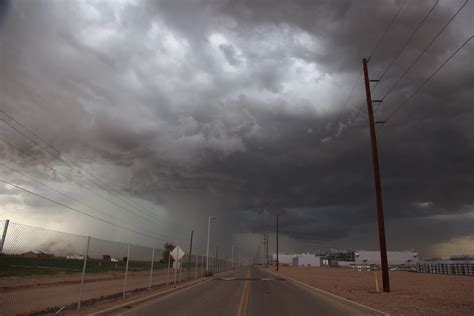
x=232, y=261
x=277, y=262
x=216, y=267
x=208, y=235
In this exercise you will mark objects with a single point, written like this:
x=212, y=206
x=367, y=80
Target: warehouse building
x=351, y=258
x=458, y=267
x=395, y=258
x=75, y=256
x=307, y=260
x=284, y=259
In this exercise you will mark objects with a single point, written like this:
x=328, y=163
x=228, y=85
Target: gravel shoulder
x=411, y=293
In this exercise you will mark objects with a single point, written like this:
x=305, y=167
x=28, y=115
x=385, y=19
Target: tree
x=168, y=248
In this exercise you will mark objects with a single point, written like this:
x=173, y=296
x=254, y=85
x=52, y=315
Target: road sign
x=177, y=253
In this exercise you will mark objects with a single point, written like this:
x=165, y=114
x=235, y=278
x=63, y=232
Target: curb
x=345, y=300
x=146, y=298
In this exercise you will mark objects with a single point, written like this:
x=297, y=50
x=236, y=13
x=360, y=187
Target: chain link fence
x=46, y=271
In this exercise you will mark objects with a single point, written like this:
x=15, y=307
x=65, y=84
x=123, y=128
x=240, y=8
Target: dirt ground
x=411, y=293
x=28, y=295
x=8, y=284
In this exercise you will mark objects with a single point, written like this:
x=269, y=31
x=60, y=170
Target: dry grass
x=411, y=293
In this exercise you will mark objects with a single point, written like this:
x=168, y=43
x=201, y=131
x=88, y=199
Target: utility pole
x=217, y=253
x=207, y=249
x=258, y=255
x=277, y=262
x=232, y=261
x=239, y=256
x=190, y=251
x=378, y=187
x=268, y=246
x=265, y=249
x=4, y=235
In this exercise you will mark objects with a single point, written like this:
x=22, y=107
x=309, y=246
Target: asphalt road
x=247, y=291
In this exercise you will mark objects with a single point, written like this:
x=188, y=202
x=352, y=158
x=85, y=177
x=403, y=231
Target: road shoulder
x=325, y=293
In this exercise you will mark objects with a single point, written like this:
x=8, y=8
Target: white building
x=307, y=260
x=285, y=259
x=75, y=257
x=394, y=258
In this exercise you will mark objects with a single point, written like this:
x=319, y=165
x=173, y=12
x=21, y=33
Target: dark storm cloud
x=229, y=108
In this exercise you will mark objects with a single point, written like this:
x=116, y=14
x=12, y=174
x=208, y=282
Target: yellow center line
x=245, y=297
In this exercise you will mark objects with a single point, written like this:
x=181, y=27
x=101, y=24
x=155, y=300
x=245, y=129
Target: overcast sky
x=238, y=109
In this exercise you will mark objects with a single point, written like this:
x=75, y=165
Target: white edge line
x=331, y=294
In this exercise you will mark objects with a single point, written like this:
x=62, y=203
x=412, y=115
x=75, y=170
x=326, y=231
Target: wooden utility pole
x=378, y=187
x=190, y=251
x=277, y=262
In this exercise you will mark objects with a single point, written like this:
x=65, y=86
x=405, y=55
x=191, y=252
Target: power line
x=79, y=211
x=59, y=192
x=415, y=60
x=348, y=97
x=406, y=42
x=72, y=168
x=422, y=52
x=428, y=79
x=60, y=156
x=77, y=183
x=387, y=29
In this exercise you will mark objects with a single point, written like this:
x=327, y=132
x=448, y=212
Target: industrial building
x=338, y=255
x=285, y=259
x=307, y=260
x=395, y=258
x=351, y=258
x=459, y=267
x=348, y=258
x=75, y=256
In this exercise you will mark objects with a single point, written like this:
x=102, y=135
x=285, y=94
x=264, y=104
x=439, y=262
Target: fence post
x=168, y=273
x=81, y=290
x=4, y=235
x=151, y=269
x=196, y=267
x=176, y=269
x=180, y=269
x=126, y=271
x=202, y=265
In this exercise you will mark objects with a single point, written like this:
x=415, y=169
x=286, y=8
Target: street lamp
x=232, y=260
x=208, y=235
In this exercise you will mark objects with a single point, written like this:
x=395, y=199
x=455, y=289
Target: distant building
x=307, y=260
x=37, y=254
x=340, y=255
x=284, y=259
x=351, y=258
x=75, y=257
x=106, y=258
x=456, y=266
x=395, y=258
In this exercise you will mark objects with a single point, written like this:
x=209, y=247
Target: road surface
x=247, y=291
